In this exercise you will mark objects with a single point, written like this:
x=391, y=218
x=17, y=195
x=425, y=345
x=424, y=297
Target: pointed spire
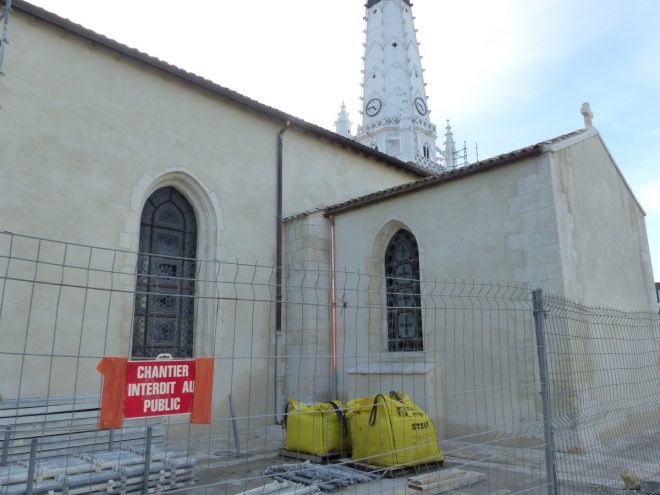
x=343, y=123
x=395, y=116
x=450, y=148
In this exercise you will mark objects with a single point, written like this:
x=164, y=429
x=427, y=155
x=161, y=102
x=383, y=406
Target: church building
x=106, y=146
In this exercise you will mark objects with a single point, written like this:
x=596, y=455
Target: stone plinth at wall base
x=421, y=381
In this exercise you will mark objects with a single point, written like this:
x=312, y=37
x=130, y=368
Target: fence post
x=5, y=447
x=31, y=467
x=539, y=325
x=147, y=463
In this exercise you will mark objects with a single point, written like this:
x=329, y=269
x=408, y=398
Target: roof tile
x=457, y=173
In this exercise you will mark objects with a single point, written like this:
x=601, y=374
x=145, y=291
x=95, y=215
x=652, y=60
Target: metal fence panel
x=64, y=306
x=605, y=386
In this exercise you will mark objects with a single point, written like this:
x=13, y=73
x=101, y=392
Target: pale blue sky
x=508, y=73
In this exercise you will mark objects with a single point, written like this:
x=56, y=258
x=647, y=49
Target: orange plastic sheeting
x=113, y=370
x=201, y=408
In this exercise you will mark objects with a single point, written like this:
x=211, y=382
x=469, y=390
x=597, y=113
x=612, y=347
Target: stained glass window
x=404, y=314
x=164, y=297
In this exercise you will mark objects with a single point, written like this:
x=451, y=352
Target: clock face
x=373, y=107
x=420, y=106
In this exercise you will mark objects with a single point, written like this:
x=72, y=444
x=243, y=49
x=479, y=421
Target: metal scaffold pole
x=539, y=325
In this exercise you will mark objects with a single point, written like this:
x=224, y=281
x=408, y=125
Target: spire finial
x=588, y=115
x=343, y=123
x=450, y=147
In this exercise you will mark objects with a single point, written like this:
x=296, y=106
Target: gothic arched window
x=427, y=151
x=404, y=313
x=164, y=294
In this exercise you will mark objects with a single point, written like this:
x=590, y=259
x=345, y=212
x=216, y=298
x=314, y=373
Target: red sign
x=158, y=388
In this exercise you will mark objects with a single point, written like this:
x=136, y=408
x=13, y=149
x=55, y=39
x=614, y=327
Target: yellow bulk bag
x=391, y=431
x=317, y=429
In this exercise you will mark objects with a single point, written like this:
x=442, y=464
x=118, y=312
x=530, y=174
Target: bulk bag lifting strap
x=317, y=429
x=392, y=431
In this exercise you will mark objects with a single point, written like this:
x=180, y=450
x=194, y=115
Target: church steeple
x=395, y=115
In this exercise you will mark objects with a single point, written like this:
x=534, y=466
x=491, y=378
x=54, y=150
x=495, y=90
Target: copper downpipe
x=333, y=296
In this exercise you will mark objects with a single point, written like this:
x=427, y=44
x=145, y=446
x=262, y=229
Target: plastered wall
x=88, y=135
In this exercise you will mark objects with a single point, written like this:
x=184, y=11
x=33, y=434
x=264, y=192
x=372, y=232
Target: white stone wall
x=563, y=222
x=465, y=229
x=89, y=134
x=472, y=234
x=307, y=326
x=605, y=253
x=537, y=236
x=605, y=262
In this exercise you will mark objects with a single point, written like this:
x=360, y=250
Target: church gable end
x=601, y=227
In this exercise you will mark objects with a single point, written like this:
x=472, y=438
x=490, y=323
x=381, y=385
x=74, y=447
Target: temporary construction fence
x=528, y=393
x=604, y=370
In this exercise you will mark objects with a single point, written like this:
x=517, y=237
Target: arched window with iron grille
x=404, y=313
x=164, y=311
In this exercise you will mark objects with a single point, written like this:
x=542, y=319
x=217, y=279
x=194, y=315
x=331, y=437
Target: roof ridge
x=476, y=167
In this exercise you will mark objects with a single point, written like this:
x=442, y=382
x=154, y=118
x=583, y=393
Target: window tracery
x=164, y=298
x=404, y=315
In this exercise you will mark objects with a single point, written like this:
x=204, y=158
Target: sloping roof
x=450, y=175
x=221, y=91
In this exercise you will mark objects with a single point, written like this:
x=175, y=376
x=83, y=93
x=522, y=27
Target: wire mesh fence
x=460, y=409
x=604, y=375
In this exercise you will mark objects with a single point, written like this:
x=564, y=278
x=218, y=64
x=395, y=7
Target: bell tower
x=395, y=112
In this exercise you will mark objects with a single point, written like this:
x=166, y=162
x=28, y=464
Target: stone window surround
x=378, y=323
x=209, y=218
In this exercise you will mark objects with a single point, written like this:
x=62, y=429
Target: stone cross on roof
x=588, y=115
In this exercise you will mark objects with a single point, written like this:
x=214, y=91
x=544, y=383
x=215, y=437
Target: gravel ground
x=507, y=470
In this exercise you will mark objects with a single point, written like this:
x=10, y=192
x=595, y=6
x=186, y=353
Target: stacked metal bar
x=118, y=472
x=65, y=425
x=326, y=477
